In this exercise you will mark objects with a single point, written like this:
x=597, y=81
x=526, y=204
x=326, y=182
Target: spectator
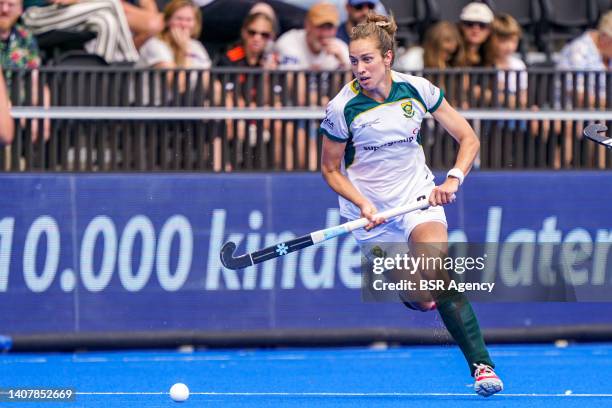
x=143, y=18
x=500, y=52
x=7, y=128
x=18, y=48
x=266, y=9
x=253, y=51
x=592, y=51
x=257, y=34
x=441, y=49
x=476, y=19
x=106, y=18
x=176, y=46
x=356, y=11
x=315, y=47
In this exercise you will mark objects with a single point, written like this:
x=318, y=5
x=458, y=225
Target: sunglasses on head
x=478, y=24
x=264, y=34
x=369, y=6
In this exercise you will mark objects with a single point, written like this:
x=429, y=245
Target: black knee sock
x=461, y=323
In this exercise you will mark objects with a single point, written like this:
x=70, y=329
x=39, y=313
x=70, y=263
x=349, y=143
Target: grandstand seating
x=564, y=20
x=411, y=17
x=54, y=43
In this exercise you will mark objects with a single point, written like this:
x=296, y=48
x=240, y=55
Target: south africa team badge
x=408, y=109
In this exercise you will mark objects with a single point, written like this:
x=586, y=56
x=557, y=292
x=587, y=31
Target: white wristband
x=456, y=173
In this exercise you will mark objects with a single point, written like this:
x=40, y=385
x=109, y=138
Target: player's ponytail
x=379, y=28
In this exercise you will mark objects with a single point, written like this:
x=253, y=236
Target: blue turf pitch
x=534, y=376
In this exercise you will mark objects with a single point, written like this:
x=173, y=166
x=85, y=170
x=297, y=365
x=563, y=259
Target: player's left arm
x=462, y=132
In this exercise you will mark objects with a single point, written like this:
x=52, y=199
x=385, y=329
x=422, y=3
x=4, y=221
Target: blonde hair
x=432, y=46
x=379, y=28
x=503, y=27
x=605, y=24
x=172, y=7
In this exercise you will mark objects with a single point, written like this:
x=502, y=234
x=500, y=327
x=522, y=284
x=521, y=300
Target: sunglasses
x=369, y=6
x=264, y=34
x=478, y=24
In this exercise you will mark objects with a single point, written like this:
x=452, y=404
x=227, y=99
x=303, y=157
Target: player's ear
x=388, y=58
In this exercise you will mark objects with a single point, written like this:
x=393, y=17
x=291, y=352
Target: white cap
x=477, y=12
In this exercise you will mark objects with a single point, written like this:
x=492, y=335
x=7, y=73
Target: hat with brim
x=477, y=13
x=323, y=13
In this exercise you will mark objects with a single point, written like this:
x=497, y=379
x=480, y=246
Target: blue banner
x=127, y=252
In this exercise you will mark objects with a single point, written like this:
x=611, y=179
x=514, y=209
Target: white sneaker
x=486, y=382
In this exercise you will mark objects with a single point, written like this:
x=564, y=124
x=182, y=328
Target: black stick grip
x=240, y=262
x=281, y=249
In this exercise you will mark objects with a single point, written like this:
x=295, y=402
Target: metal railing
x=100, y=119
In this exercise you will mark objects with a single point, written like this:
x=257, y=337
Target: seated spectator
x=7, y=129
x=106, y=18
x=500, y=52
x=511, y=78
x=253, y=51
x=441, y=49
x=18, y=48
x=265, y=8
x=356, y=12
x=475, y=22
x=592, y=51
x=257, y=34
x=176, y=46
x=143, y=18
x=315, y=47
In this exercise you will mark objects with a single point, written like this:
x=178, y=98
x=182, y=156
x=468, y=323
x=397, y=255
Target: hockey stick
x=596, y=133
x=230, y=261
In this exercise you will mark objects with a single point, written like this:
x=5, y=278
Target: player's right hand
x=368, y=210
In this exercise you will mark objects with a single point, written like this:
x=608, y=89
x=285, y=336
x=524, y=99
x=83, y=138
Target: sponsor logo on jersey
x=327, y=122
x=391, y=143
x=369, y=124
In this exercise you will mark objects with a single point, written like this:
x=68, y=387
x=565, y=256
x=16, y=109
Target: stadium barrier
x=119, y=260
x=235, y=120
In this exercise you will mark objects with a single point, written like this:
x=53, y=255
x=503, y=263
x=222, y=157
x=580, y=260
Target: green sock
x=461, y=323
